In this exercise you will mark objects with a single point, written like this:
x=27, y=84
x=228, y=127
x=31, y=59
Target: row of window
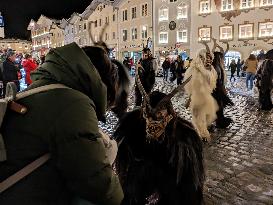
x=181, y=37
x=182, y=12
x=143, y=12
x=163, y=12
x=134, y=33
x=40, y=32
x=228, y=5
x=246, y=31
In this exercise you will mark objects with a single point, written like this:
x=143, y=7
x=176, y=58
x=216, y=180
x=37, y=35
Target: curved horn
x=227, y=47
x=142, y=90
x=214, y=45
x=103, y=31
x=166, y=99
x=221, y=49
x=90, y=34
x=206, y=45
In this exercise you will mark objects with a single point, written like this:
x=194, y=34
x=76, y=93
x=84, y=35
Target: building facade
x=246, y=24
x=41, y=35
x=135, y=27
x=81, y=36
x=105, y=14
x=57, y=39
x=172, y=28
x=69, y=33
x=20, y=46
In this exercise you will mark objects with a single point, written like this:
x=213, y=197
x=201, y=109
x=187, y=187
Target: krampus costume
x=146, y=71
x=219, y=93
x=265, y=82
x=160, y=154
x=203, y=106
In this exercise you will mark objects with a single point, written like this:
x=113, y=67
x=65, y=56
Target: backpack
x=10, y=102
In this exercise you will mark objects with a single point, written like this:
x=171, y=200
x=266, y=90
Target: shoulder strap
x=13, y=179
x=39, y=90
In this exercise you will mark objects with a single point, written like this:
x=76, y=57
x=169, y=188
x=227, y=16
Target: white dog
x=203, y=106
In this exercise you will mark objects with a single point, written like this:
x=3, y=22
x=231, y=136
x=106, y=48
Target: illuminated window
x=144, y=32
x=182, y=36
x=134, y=33
x=204, y=7
x=245, y=31
x=247, y=4
x=266, y=29
x=182, y=11
x=226, y=32
x=204, y=34
x=266, y=2
x=163, y=37
x=124, y=35
x=163, y=14
x=227, y=5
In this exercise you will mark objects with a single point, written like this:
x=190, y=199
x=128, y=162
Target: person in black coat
x=146, y=73
x=232, y=67
x=180, y=70
x=219, y=93
x=10, y=71
x=166, y=66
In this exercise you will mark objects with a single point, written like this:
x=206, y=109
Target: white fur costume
x=203, y=106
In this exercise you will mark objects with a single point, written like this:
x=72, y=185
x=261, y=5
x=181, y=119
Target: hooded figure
x=63, y=122
x=160, y=154
x=203, y=106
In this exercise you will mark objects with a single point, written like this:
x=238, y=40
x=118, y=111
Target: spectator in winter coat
x=173, y=70
x=29, y=65
x=232, y=67
x=239, y=67
x=166, y=66
x=179, y=64
x=63, y=122
x=10, y=71
x=251, y=68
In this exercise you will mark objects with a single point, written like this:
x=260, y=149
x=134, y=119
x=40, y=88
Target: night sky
x=18, y=13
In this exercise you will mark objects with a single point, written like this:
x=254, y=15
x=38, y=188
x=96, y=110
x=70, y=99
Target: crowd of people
x=251, y=69
x=155, y=152
x=16, y=67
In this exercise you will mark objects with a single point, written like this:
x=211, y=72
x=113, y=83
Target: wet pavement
x=239, y=159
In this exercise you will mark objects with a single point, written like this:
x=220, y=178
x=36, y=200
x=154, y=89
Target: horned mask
x=158, y=117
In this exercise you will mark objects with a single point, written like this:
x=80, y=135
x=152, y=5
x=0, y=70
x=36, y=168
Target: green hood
x=69, y=65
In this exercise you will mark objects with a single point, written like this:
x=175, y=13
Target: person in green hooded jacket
x=63, y=122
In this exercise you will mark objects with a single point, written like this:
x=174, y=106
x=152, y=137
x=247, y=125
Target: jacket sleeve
x=81, y=156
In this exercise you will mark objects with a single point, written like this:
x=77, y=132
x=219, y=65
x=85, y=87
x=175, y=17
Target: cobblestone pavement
x=239, y=159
